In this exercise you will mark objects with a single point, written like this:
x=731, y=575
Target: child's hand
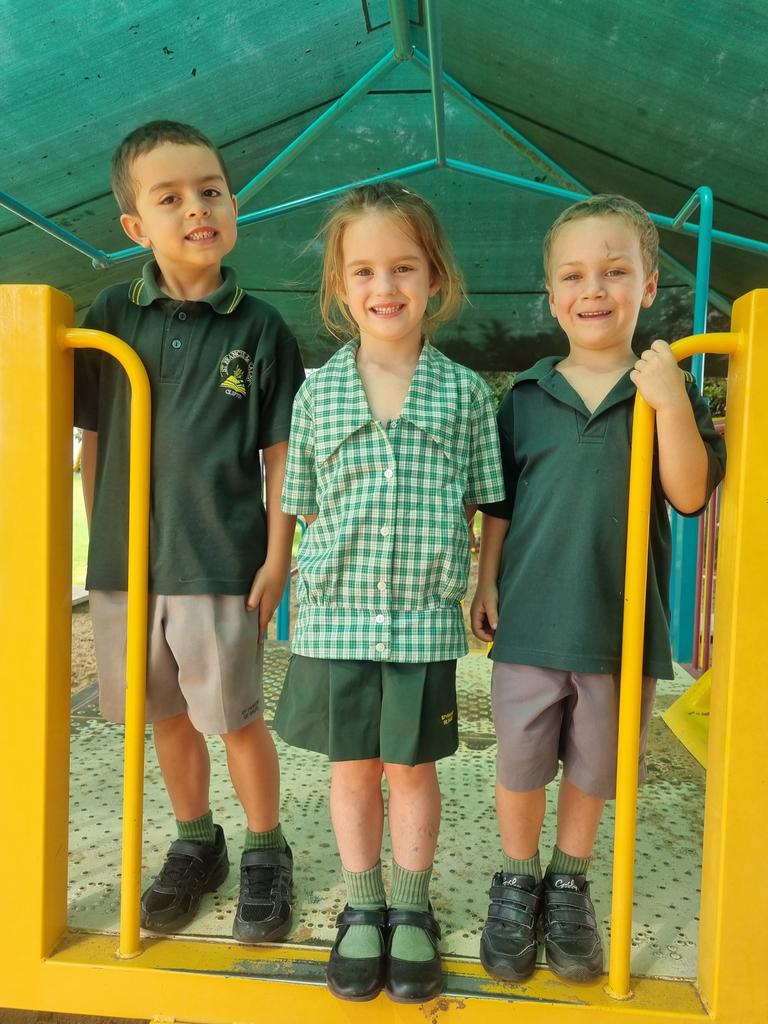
x=265, y=595
x=658, y=378
x=484, y=613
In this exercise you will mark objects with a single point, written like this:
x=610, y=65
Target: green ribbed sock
x=532, y=866
x=200, y=830
x=410, y=891
x=365, y=891
x=272, y=840
x=564, y=864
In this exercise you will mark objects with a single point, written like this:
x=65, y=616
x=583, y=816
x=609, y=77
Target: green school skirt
x=358, y=710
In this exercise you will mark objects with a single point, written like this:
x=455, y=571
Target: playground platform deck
x=670, y=820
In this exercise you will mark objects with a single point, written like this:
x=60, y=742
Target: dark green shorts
x=357, y=710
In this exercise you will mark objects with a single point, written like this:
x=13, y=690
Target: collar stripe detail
x=239, y=293
x=136, y=289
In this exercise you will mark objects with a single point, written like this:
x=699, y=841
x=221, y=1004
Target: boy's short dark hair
x=605, y=205
x=144, y=139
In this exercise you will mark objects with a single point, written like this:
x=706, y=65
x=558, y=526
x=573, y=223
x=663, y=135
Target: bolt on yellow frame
x=45, y=965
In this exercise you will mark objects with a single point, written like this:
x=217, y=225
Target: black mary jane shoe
x=357, y=979
x=414, y=981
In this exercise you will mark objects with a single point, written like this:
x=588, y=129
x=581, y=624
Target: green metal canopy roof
x=652, y=100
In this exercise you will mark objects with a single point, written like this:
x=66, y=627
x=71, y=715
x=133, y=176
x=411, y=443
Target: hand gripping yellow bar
x=632, y=665
x=136, y=656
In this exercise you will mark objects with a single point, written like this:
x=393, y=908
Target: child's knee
x=364, y=774
x=411, y=777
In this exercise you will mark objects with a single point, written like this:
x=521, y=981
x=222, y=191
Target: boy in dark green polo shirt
x=223, y=370
x=550, y=586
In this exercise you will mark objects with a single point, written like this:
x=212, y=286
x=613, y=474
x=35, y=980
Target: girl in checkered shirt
x=392, y=445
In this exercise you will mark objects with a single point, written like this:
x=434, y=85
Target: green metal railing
x=568, y=190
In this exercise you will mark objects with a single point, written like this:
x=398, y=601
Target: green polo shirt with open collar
x=566, y=472
x=223, y=372
x=383, y=568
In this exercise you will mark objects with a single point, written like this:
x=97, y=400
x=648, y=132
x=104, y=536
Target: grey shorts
x=203, y=658
x=543, y=716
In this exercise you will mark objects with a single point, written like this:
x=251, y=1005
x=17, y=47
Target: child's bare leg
x=414, y=824
x=182, y=754
x=578, y=819
x=414, y=814
x=357, y=813
x=520, y=816
x=255, y=774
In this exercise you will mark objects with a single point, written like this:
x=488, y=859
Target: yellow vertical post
x=136, y=639
x=631, y=666
x=36, y=602
x=733, y=943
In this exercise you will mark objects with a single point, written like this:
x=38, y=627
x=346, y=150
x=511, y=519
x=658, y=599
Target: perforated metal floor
x=670, y=817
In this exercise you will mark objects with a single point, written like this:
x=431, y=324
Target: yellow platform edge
x=216, y=982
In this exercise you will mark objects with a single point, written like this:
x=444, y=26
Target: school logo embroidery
x=447, y=718
x=236, y=372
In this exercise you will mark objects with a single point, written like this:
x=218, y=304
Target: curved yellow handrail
x=136, y=654
x=632, y=664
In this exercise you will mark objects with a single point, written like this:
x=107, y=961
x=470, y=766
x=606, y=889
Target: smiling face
x=597, y=282
x=387, y=279
x=183, y=209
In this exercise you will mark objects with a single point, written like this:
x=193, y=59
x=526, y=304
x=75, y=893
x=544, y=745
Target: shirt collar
x=144, y=290
x=429, y=404
x=545, y=374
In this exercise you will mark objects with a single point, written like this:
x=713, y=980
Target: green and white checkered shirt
x=383, y=568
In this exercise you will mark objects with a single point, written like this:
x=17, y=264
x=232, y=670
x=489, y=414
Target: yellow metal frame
x=136, y=653
x=688, y=717
x=45, y=965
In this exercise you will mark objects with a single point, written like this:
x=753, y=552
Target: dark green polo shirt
x=567, y=480
x=223, y=372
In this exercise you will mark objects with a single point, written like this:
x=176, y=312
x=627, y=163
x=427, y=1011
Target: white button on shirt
x=379, y=619
x=389, y=473
x=384, y=531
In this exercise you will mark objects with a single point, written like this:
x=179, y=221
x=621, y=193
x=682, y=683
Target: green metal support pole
x=318, y=126
x=435, y=48
x=550, y=166
x=508, y=133
x=279, y=209
x=433, y=66
x=401, y=34
x=98, y=257
x=685, y=581
x=406, y=171
x=525, y=184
